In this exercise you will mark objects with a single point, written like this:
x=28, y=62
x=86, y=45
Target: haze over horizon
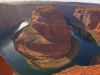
x=86, y=1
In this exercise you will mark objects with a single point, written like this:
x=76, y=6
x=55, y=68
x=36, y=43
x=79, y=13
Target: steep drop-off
x=90, y=17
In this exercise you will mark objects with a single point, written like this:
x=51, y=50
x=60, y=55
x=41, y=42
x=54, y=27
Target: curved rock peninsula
x=46, y=41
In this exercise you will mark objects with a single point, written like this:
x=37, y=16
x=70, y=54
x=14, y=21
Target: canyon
x=54, y=45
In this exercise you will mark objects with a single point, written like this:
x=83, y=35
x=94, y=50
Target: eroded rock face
x=96, y=59
x=46, y=41
x=81, y=70
x=90, y=17
x=5, y=69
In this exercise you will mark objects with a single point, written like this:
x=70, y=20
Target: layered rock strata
x=46, y=41
x=90, y=17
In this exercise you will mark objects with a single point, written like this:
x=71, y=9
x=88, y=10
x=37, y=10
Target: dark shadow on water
x=87, y=51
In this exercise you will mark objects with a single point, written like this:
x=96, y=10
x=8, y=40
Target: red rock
x=90, y=16
x=81, y=70
x=96, y=59
x=5, y=69
x=46, y=41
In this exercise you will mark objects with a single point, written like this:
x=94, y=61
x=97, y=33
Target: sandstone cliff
x=90, y=17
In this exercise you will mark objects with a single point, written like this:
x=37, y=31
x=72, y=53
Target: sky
x=87, y=1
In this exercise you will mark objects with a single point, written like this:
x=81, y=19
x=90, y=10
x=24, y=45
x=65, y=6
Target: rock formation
x=90, y=17
x=81, y=70
x=5, y=69
x=22, y=12
x=46, y=41
x=96, y=59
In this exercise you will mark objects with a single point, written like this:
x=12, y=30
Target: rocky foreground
x=46, y=41
x=81, y=70
x=93, y=69
x=5, y=68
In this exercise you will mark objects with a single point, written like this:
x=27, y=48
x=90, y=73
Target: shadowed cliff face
x=90, y=17
x=96, y=59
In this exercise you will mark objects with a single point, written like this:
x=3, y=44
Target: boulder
x=46, y=42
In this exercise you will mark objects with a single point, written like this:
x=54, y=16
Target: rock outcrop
x=13, y=14
x=96, y=59
x=81, y=70
x=46, y=41
x=90, y=17
x=5, y=69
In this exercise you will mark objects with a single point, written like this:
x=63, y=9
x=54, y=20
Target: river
x=18, y=62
